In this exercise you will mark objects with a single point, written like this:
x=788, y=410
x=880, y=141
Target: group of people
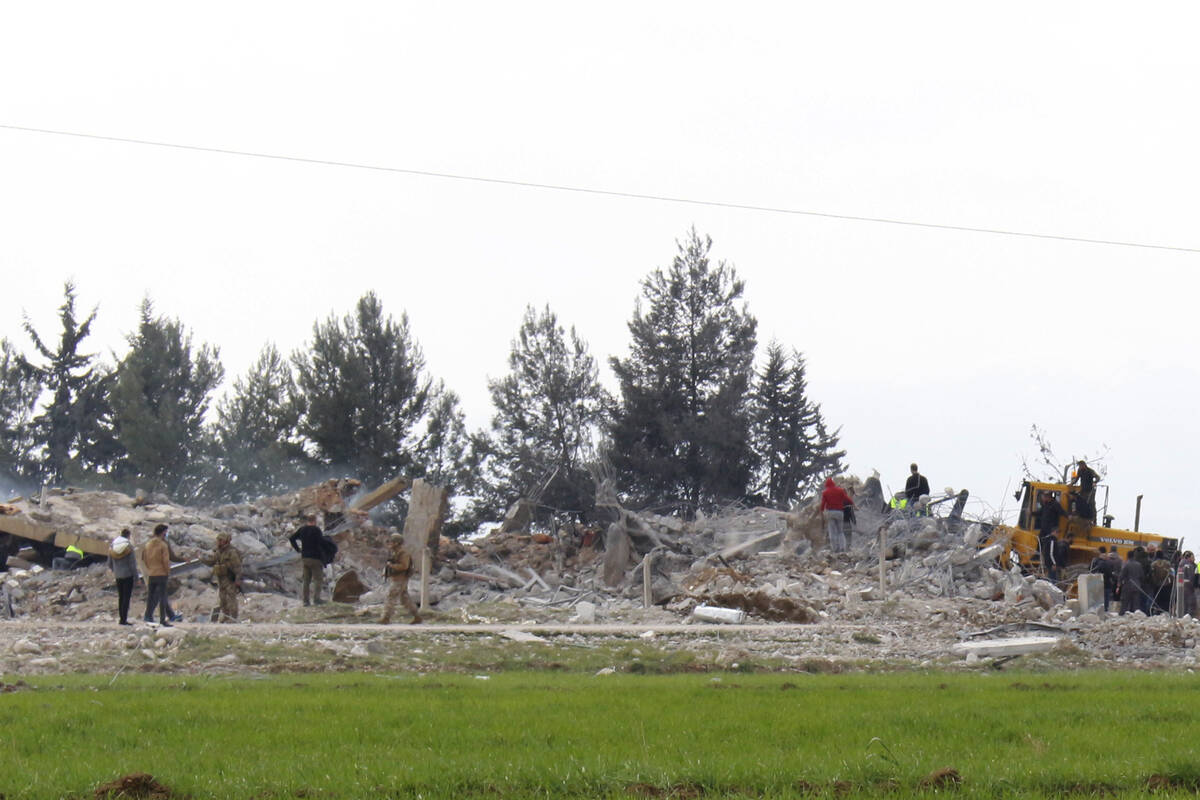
x=156, y=558
x=1148, y=581
x=309, y=541
x=225, y=561
x=837, y=507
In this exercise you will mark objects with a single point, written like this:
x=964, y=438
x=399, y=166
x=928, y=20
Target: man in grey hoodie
x=124, y=568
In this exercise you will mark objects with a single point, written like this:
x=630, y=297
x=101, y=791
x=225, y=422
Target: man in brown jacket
x=157, y=558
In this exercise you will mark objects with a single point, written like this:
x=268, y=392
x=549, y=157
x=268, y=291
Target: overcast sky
x=940, y=346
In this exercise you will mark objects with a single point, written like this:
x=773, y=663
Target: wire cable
x=605, y=192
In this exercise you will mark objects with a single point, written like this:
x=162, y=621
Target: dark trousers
x=156, y=595
x=124, y=594
x=1048, y=548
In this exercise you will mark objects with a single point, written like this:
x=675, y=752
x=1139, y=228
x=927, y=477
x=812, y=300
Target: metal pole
x=647, y=595
x=1137, y=516
x=883, y=562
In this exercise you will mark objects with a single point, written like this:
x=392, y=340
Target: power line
x=603, y=192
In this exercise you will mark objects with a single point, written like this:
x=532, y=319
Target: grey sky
x=944, y=347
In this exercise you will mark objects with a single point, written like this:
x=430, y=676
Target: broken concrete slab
x=1091, y=593
x=1022, y=645
x=732, y=616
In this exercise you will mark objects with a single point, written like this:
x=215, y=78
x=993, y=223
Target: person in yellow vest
x=69, y=559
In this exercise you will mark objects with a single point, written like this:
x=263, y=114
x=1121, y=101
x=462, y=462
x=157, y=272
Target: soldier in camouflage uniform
x=227, y=568
x=399, y=567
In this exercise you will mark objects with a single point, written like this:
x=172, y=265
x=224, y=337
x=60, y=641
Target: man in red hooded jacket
x=833, y=501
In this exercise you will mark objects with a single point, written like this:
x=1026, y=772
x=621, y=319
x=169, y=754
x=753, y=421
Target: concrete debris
x=1007, y=647
x=932, y=580
x=732, y=616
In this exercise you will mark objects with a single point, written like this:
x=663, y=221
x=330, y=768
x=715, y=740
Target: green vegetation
x=517, y=735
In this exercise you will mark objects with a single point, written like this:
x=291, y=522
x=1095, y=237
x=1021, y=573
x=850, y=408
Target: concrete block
x=1006, y=647
x=715, y=614
x=1091, y=593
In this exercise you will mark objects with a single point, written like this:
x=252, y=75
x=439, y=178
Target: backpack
x=329, y=549
x=1160, y=571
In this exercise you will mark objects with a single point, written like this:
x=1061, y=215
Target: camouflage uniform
x=399, y=567
x=227, y=568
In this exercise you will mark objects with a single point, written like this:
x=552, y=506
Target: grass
x=550, y=735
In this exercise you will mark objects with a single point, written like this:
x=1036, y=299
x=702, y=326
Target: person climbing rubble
x=227, y=569
x=399, y=567
x=833, y=504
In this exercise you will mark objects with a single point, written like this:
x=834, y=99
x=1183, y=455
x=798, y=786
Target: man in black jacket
x=915, y=486
x=1048, y=516
x=307, y=542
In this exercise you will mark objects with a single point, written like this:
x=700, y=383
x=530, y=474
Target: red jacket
x=834, y=498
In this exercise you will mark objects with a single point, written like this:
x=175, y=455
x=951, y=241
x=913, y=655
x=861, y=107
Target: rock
x=26, y=647
x=249, y=545
x=43, y=663
x=585, y=613
x=358, y=651
x=150, y=654
x=1047, y=594
x=349, y=588
x=173, y=634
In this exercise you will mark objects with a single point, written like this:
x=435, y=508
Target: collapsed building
x=902, y=576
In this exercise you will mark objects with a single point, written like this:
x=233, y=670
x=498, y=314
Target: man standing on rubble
x=833, y=503
x=123, y=564
x=1162, y=577
x=399, y=567
x=1185, y=603
x=307, y=542
x=157, y=558
x=227, y=569
x=1048, y=517
x=1130, y=583
x=1103, y=566
x=915, y=486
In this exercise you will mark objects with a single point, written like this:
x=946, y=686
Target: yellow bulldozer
x=1077, y=529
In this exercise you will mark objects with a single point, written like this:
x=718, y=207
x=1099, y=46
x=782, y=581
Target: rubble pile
x=908, y=587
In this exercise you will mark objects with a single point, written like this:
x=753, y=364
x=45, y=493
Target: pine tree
x=159, y=401
x=681, y=432
x=794, y=450
x=549, y=408
x=364, y=393
x=257, y=431
x=19, y=390
x=72, y=431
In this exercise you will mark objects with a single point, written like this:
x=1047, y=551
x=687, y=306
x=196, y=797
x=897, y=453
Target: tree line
x=693, y=427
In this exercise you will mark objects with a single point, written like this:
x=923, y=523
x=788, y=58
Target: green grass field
x=540, y=735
